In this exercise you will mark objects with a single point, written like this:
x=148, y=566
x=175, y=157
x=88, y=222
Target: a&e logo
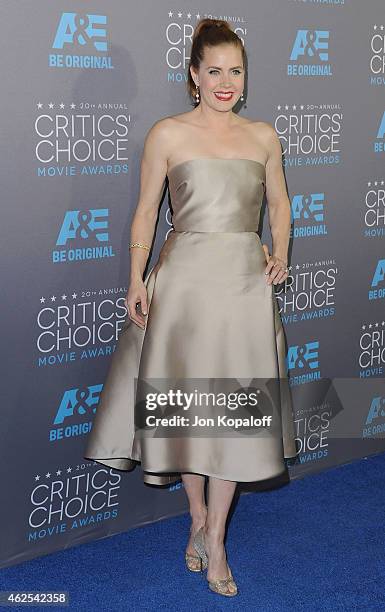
x=308, y=210
x=303, y=363
x=310, y=54
x=81, y=35
x=81, y=226
x=375, y=421
x=379, y=145
x=75, y=402
x=377, y=293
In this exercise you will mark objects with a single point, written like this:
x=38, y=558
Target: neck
x=215, y=119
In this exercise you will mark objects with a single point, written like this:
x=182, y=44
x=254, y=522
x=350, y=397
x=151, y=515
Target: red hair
x=210, y=33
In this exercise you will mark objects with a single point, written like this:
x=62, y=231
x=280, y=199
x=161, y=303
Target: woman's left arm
x=279, y=209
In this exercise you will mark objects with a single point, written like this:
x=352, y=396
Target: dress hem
x=176, y=475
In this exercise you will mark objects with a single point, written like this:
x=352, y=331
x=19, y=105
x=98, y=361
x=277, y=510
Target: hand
x=137, y=294
x=275, y=268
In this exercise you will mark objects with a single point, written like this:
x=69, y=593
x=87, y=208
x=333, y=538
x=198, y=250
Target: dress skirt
x=211, y=314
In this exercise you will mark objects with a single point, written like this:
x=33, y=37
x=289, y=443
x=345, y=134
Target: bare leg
x=194, y=487
x=220, y=495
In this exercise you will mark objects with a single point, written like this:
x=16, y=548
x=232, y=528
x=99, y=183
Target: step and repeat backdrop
x=81, y=87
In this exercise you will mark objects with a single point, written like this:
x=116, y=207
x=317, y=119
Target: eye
x=213, y=70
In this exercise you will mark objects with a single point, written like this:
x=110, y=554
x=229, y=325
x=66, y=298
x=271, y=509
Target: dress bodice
x=217, y=195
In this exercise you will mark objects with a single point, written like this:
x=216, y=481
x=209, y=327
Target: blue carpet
x=314, y=545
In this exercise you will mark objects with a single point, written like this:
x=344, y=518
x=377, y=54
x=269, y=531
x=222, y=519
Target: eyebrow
x=218, y=68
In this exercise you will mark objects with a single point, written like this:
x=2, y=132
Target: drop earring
x=242, y=98
x=197, y=94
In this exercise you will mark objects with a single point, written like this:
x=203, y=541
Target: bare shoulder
x=159, y=131
x=264, y=130
x=268, y=136
x=166, y=133
x=174, y=122
x=157, y=144
x=268, y=130
x=182, y=118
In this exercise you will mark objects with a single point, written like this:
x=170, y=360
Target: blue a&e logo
x=310, y=54
x=379, y=147
x=309, y=210
x=75, y=402
x=303, y=363
x=78, y=401
x=79, y=226
x=81, y=32
x=375, y=421
x=83, y=224
x=378, y=277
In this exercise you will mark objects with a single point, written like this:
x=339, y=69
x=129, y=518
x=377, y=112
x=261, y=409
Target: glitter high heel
x=199, y=547
x=220, y=585
x=195, y=563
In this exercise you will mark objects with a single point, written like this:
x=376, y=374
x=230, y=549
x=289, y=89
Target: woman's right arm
x=152, y=179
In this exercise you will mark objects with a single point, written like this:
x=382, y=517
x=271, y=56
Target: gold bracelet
x=140, y=245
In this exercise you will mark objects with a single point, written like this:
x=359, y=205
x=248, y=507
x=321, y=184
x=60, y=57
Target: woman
x=207, y=308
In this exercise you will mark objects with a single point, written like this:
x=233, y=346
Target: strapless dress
x=211, y=313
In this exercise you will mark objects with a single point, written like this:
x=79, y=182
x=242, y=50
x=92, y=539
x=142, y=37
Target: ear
x=193, y=75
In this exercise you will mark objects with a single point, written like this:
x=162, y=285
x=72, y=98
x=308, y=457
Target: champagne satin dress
x=211, y=313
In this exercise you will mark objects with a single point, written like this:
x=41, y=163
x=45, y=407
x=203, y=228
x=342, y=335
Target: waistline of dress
x=214, y=232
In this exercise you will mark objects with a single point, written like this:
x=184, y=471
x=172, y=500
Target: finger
x=137, y=322
x=134, y=315
x=132, y=306
x=270, y=266
x=273, y=274
x=138, y=313
x=279, y=278
x=139, y=310
x=143, y=304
